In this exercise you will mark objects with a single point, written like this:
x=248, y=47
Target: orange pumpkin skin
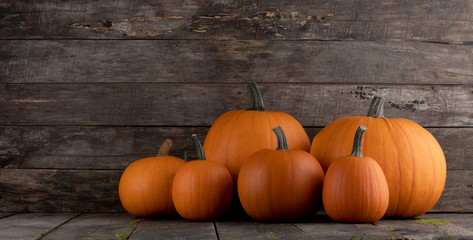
x=355, y=188
x=412, y=160
x=202, y=190
x=279, y=185
x=145, y=186
x=236, y=135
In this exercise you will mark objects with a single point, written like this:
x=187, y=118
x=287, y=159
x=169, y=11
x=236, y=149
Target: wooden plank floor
x=89, y=226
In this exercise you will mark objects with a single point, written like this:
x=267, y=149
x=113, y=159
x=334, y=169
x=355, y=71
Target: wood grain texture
x=50, y=190
x=95, y=226
x=415, y=230
x=422, y=20
x=88, y=226
x=115, y=147
x=257, y=230
x=88, y=86
x=178, y=61
x=89, y=147
x=331, y=230
x=174, y=229
x=458, y=191
x=35, y=190
x=31, y=225
x=202, y=104
x=462, y=220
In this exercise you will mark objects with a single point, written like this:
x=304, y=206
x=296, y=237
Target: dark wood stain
x=250, y=20
x=233, y=61
x=87, y=87
x=201, y=104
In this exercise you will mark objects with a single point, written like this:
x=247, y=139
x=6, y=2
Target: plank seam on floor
x=6, y=216
x=134, y=229
x=305, y=233
x=56, y=227
x=216, y=231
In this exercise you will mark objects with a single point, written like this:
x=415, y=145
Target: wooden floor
x=89, y=226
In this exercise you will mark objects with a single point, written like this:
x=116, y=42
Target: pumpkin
x=236, y=135
x=281, y=184
x=412, y=160
x=355, y=188
x=202, y=190
x=145, y=185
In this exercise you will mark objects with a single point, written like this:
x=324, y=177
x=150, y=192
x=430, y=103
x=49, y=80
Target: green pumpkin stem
x=282, y=141
x=376, y=107
x=357, y=142
x=186, y=156
x=165, y=147
x=257, y=103
x=198, y=147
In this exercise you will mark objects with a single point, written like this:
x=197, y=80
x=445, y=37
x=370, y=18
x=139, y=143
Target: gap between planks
x=58, y=226
x=241, y=83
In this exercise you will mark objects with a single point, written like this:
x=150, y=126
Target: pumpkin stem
x=186, y=156
x=357, y=142
x=198, y=147
x=257, y=103
x=165, y=147
x=376, y=108
x=282, y=141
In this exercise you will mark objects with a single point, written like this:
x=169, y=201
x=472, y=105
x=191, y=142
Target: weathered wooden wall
x=88, y=86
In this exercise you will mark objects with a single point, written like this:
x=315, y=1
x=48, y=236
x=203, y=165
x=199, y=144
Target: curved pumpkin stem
x=281, y=136
x=198, y=147
x=165, y=147
x=257, y=103
x=357, y=142
x=376, y=107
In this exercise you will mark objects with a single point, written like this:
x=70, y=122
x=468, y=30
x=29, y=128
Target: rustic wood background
x=89, y=86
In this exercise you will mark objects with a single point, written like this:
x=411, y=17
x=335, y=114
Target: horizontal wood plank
x=423, y=20
x=46, y=190
x=458, y=192
x=96, y=226
x=202, y=104
x=89, y=147
x=174, y=229
x=35, y=190
x=177, y=61
x=31, y=225
x=116, y=147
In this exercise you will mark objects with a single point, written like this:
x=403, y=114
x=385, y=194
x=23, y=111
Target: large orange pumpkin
x=355, y=189
x=202, y=190
x=281, y=184
x=412, y=160
x=145, y=185
x=236, y=135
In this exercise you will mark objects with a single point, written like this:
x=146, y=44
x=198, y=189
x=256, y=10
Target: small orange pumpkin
x=202, y=190
x=281, y=184
x=236, y=135
x=145, y=185
x=412, y=160
x=355, y=188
